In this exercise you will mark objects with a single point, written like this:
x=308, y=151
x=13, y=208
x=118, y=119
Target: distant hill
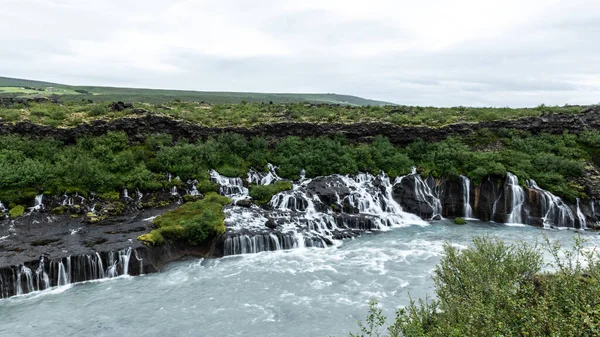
x=25, y=88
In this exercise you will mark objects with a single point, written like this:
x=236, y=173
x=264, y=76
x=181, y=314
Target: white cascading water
x=2, y=209
x=39, y=203
x=554, y=211
x=424, y=193
x=581, y=217
x=466, y=187
x=69, y=270
x=517, y=197
x=259, y=178
x=193, y=189
x=299, y=218
x=126, y=194
x=233, y=187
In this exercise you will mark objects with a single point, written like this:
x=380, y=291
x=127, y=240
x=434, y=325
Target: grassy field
x=109, y=94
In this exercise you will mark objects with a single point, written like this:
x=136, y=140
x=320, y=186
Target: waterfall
x=466, y=186
x=517, y=198
x=301, y=218
x=424, y=193
x=67, y=270
x=193, y=190
x=39, y=203
x=232, y=187
x=580, y=217
x=554, y=211
x=174, y=191
x=259, y=178
x=2, y=208
x=125, y=194
x=138, y=194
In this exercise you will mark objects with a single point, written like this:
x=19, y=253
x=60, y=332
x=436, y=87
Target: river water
x=302, y=292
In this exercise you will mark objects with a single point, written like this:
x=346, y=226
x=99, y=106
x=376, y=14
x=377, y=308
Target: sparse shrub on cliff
x=193, y=222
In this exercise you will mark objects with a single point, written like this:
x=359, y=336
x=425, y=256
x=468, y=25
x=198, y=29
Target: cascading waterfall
x=233, y=187
x=260, y=178
x=581, y=217
x=424, y=193
x=39, y=203
x=554, y=210
x=65, y=271
x=2, y=209
x=126, y=194
x=517, y=198
x=193, y=190
x=301, y=219
x=466, y=186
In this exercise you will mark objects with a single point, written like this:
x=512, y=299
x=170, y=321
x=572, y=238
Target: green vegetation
x=111, y=162
x=194, y=222
x=108, y=94
x=71, y=113
x=460, y=221
x=262, y=194
x=16, y=211
x=498, y=289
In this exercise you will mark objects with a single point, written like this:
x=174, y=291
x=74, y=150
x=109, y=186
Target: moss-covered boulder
x=460, y=221
x=193, y=222
x=60, y=210
x=262, y=194
x=16, y=211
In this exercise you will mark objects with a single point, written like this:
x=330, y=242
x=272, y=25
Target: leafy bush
x=194, y=222
x=498, y=289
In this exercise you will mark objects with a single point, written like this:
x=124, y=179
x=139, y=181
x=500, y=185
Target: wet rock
x=244, y=203
x=271, y=223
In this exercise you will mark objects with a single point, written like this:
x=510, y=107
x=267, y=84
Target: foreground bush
x=498, y=289
x=194, y=222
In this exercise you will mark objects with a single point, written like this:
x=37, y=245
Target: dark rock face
x=330, y=190
x=406, y=193
x=452, y=198
x=119, y=106
x=144, y=124
x=484, y=197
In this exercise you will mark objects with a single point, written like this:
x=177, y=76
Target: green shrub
x=194, y=222
x=262, y=194
x=16, y=211
x=498, y=289
x=460, y=221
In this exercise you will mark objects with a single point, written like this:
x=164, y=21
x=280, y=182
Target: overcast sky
x=419, y=52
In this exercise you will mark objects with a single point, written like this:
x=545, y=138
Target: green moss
x=262, y=194
x=16, y=211
x=112, y=195
x=60, y=210
x=460, y=221
x=194, y=222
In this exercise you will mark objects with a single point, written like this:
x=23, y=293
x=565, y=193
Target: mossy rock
x=163, y=203
x=262, y=194
x=74, y=216
x=460, y=221
x=16, y=211
x=94, y=218
x=60, y=210
x=111, y=196
x=190, y=198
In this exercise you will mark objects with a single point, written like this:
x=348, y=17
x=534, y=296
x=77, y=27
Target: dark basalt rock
x=329, y=189
x=144, y=124
x=244, y=203
x=405, y=195
x=119, y=106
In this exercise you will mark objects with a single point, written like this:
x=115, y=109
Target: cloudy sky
x=426, y=52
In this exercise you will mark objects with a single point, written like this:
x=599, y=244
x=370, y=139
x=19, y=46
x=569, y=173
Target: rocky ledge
x=145, y=122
